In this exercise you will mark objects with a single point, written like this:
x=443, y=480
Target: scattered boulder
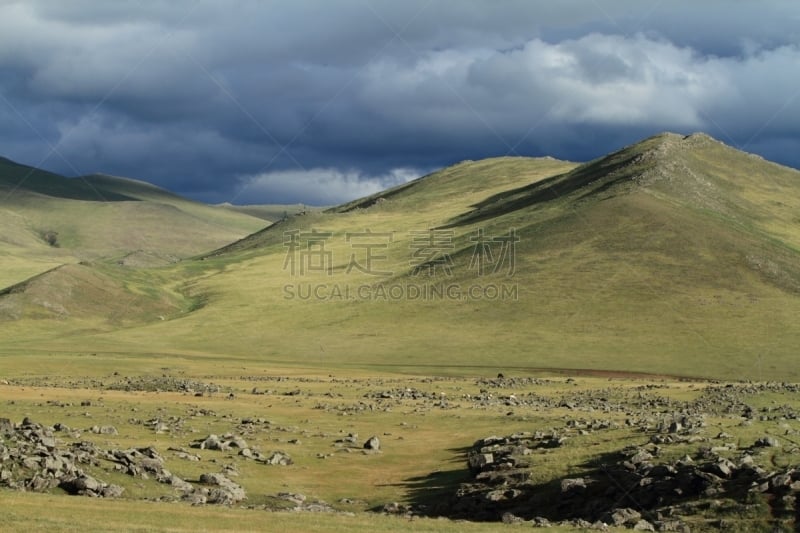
x=112, y=491
x=289, y=501
x=624, y=517
x=570, y=485
x=276, y=458
x=643, y=525
x=224, y=490
x=104, y=430
x=767, y=442
x=479, y=461
x=396, y=508
x=223, y=443
x=164, y=383
x=212, y=442
x=660, y=488
x=32, y=460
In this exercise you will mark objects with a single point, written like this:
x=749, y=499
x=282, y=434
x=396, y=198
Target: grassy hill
x=677, y=255
x=123, y=298
x=239, y=220
x=48, y=220
x=269, y=212
x=16, y=178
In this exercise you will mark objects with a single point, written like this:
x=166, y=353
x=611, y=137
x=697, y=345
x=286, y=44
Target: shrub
x=50, y=237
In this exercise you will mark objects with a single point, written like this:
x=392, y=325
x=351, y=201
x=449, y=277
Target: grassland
x=673, y=258
x=307, y=413
x=24, y=512
x=48, y=220
x=652, y=260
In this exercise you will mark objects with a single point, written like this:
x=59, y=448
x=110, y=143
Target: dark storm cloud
x=319, y=102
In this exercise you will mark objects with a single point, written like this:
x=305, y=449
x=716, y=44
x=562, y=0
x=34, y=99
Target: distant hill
x=675, y=255
x=19, y=179
x=270, y=212
x=424, y=202
x=47, y=220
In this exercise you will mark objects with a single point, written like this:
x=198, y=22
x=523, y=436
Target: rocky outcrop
x=633, y=487
x=32, y=459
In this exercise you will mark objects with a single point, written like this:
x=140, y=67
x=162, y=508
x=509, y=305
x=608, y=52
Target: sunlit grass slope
x=47, y=220
x=675, y=255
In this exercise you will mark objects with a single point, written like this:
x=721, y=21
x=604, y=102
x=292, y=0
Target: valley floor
x=297, y=447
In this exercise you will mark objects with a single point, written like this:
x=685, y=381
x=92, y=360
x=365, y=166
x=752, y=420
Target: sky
x=320, y=102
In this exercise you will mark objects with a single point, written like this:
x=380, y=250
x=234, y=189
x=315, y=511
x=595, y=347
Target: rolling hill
x=677, y=255
x=269, y=212
x=48, y=220
x=18, y=179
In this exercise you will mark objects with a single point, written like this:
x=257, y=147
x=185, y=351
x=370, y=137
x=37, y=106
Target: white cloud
x=319, y=186
x=598, y=79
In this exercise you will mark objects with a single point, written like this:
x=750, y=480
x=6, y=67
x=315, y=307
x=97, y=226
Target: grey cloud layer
x=319, y=102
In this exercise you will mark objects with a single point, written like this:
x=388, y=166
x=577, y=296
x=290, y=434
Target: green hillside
x=48, y=220
x=16, y=178
x=103, y=291
x=269, y=212
x=240, y=221
x=677, y=255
